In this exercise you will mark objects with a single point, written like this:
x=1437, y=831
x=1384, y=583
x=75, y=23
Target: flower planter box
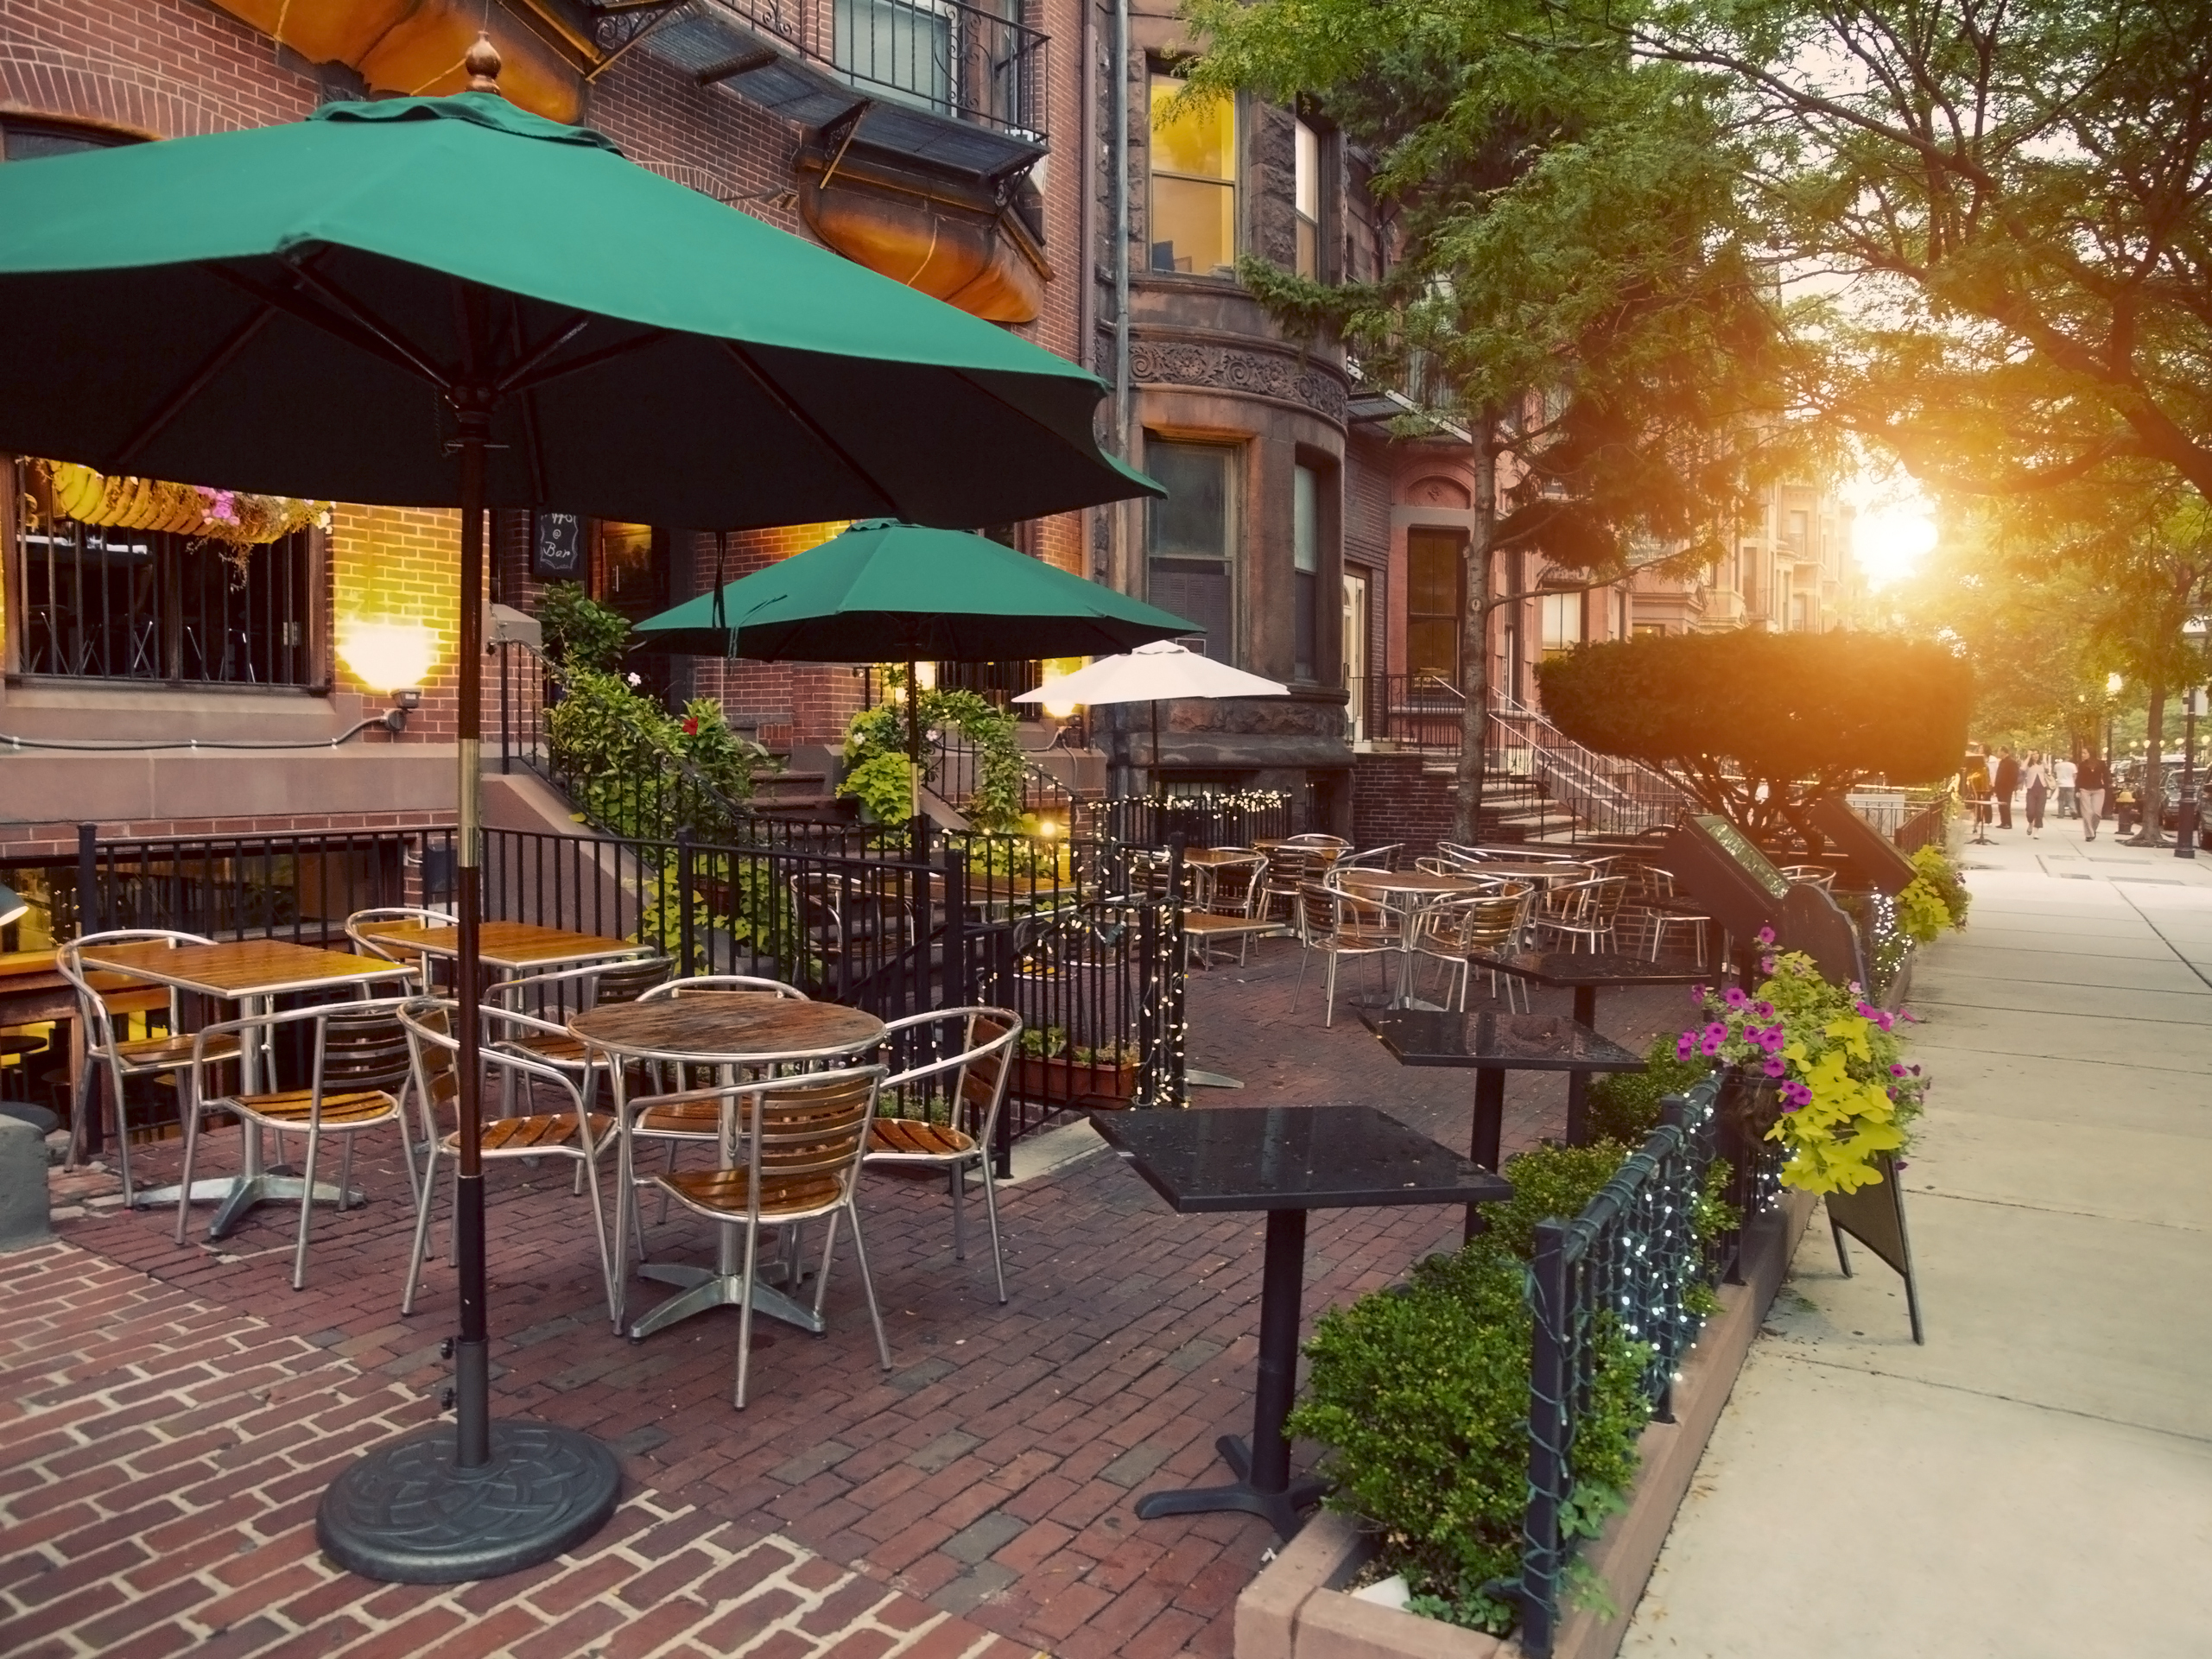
x=1297, y=1609
x=1062, y=1082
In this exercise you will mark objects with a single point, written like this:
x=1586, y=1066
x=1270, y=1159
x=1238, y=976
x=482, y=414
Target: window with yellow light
x=1193, y=218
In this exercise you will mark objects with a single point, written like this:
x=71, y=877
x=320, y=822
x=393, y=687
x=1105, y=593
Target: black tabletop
x=1292, y=1158
x=1505, y=1043
x=1570, y=968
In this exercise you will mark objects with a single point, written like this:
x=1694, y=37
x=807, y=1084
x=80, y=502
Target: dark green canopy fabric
x=884, y=592
x=274, y=309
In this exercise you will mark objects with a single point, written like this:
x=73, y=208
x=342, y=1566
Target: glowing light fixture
x=388, y=656
x=13, y=906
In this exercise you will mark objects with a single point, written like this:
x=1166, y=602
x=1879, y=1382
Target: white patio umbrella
x=1152, y=673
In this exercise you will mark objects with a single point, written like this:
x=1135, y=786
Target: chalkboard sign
x=557, y=546
x=1740, y=847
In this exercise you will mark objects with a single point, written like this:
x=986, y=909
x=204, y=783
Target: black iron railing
x=1206, y=819
x=1628, y=1266
x=970, y=63
x=299, y=886
x=1929, y=825
x=1412, y=711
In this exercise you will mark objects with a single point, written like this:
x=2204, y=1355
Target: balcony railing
x=974, y=68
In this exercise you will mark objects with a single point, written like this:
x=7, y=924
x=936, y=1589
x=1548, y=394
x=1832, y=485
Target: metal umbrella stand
x=268, y=307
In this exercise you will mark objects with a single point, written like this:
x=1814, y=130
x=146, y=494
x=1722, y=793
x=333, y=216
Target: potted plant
x=1051, y=1070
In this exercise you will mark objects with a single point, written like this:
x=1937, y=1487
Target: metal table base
x=723, y=1286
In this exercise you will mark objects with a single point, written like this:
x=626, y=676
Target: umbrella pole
x=472, y=1353
x=916, y=831
x=488, y=1498
x=1156, y=793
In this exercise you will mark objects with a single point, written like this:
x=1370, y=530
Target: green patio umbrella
x=883, y=592
x=452, y=302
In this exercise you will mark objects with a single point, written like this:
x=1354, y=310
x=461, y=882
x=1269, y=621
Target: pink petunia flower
x=1774, y=1067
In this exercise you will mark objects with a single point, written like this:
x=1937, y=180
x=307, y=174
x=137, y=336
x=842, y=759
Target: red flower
x=691, y=725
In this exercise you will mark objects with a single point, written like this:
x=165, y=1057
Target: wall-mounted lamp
x=405, y=700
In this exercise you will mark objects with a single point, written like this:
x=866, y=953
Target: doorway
x=1356, y=656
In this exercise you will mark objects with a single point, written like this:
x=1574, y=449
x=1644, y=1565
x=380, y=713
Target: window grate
x=145, y=605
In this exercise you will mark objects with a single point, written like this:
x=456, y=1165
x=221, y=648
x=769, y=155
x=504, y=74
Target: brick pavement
x=987, y=1479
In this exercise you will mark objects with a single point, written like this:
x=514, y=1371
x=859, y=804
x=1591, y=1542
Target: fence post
x=953, y=977
x=684, y=873
x=1172, y=958
x=88, y=879
x=506, y=715
x=1548, y=1470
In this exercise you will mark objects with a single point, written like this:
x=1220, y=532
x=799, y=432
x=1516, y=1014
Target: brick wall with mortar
x=58, y=841
x=160, y=68
x=1394, y=799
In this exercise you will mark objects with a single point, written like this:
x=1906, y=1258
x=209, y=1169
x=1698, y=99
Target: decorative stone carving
x=1264, y=374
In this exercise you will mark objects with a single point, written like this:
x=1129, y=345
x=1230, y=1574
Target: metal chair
x=358, y=926
x=1381, y=857
x=544, y=1035
x=1338, y=925
x=1486, y=922
x=1233, y=888
x=942, y=1111
x=1582, y=911
x=578, y=1134
x=1819, y=875
x=791, y=1149
x=678, y=1125
x=125, y=1058
x=1654, y=903
x=1289, y=869
x=361, y=1069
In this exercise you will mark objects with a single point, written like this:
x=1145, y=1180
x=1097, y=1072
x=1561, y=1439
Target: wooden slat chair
x=790, y=1151
x=358, y=927
x=678, y=1125
x=360, y=1072
x=942, y=1110
x=547, y=1000
x=100, y=1002
x=1338, y=925
x=577, y=1134
x=1233, y=888
x=1381, y=857
x=1486, y=921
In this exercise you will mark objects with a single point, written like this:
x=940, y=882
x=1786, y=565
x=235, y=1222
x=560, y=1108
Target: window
x=1306, y=195
x=1562, y=622
x=1191, y=537
x=105, y=603
x=1194, y=210
x=1432, y=603
x=1305, y=578
x=28, y=139
x=1799, y=535
x=896, y=49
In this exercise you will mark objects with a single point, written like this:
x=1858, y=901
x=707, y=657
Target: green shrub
x=580, y=632
x=1420, y=1396
x=1941, y=879
x=1625, y=1106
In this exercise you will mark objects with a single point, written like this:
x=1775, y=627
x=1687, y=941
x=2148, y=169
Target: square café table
x=1585, y=973
x=1286, y=1161
x=510, y=946
x=252, y=972
x=1492, y=1044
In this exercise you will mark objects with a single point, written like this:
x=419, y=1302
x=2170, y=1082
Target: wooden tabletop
x=1215, y=857
x=504, y=944
x=1391, y=881
x=739, y=1028
x=244, y=967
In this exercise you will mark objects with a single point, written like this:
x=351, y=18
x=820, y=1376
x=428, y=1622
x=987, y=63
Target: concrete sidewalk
x=2038, y=1480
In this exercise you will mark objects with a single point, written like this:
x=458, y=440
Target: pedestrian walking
x=1973, y=783
x=2092, y=778
x=2007, y=780
x=2035, y=779
x=2063, y=769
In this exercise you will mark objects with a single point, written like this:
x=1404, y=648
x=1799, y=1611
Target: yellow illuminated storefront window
x=1194, y=197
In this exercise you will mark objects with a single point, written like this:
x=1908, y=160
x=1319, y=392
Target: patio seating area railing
x=1629, y=1264
x=1207, y=819
x=1926, y=825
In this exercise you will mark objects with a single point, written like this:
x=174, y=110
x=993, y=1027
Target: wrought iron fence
x=1412, y=710
x=970, y=63
x=1206, y=819
x=297, y=885
x=1628, y=1264
x=1606, y=795
x=1926, y=827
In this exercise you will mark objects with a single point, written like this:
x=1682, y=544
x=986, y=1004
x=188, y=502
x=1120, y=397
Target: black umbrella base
x=406, y=1514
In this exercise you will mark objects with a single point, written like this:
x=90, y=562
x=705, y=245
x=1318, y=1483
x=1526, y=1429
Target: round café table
x=728, y=1030
x=1405, y=892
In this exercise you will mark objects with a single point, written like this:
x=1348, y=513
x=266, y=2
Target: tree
x=2012, y=196
x=1760, y=727
x=1572, y=286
